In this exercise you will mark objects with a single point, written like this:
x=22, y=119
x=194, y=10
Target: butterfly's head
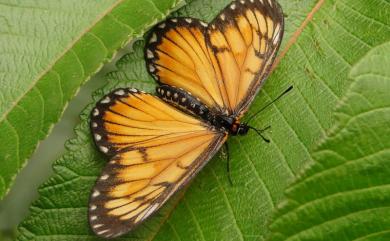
x=238, y=128
x=242, y=129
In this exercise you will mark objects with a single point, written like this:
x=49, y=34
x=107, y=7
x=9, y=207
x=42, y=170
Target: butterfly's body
x=186, y=102
x=208, y=74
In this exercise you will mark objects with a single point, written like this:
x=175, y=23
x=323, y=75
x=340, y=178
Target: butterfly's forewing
x=177, y=55
x=154, y=148
x=244, y=38
x=225, y=62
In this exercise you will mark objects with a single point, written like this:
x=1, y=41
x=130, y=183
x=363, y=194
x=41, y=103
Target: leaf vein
x=292, y=129
x=362, y=238
x=120, y=22
x=197, y=225
x=330, y=46
x=302, y=206
x=17, y=142
x=320, y=173
x=225, y=198
x=364, y=16
x=54, y=62
x=174, y=230
x=347, y=31
x=267, y=191
x=334, y=220
x=322, y=80
x=100, y=41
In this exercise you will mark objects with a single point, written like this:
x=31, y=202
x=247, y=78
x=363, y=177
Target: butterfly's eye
x=242, y=129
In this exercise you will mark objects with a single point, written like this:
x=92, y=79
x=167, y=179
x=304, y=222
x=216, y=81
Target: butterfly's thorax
x=192, y=105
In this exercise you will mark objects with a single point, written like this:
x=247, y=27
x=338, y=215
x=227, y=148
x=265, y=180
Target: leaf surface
x=49, y=49
x=317, y=64
x=345, y=195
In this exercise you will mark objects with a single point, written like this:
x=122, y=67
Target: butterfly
x=207, y=74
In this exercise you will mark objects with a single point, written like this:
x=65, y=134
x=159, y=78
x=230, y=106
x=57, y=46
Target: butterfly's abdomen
x=183, y=100
x=190, y=104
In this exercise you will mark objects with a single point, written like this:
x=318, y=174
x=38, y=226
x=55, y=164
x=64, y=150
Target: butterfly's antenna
x=270, y=103
x=260, y=131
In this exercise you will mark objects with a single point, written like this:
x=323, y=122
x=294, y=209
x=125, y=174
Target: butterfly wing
x=154, y=148
x=245, y=38
x=177, y=55
x=225, y=62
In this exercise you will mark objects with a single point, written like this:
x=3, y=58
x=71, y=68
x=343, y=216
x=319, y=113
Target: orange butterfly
x=208, y=74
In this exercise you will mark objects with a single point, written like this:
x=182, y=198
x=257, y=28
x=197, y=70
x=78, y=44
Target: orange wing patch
x=178, y=56
x=223, y=63
x=155, y=149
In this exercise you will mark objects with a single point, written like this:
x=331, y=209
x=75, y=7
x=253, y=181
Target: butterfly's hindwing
x=154, y=148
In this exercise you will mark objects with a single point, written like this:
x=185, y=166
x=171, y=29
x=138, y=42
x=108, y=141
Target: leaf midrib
x=55, y=60
x=297, y=33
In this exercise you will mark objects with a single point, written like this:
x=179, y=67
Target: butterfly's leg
x=228, y=163
x=260, y=131
x=264, y=129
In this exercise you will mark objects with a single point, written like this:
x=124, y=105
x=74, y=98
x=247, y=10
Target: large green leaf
x=50, y=48
x=345, y=195
x=341, y=33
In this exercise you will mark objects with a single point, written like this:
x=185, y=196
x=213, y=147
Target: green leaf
x=49, y=49
x=345, y=195
x=317, y=64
